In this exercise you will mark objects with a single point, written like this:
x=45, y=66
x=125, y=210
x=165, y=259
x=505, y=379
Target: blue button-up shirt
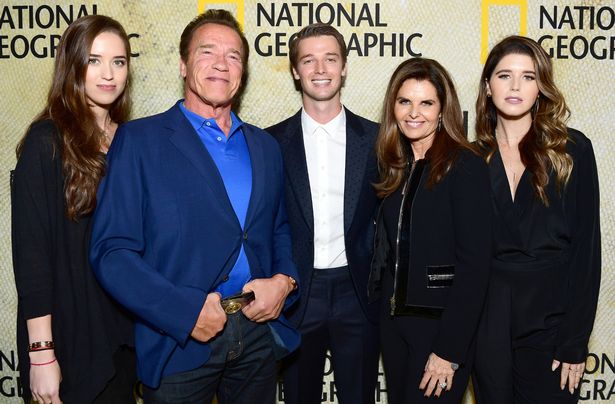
x=232, y=158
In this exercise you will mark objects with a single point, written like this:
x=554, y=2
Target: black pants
x=120, y=389
x=516, y=339
x=406, y=345
x=333, y=320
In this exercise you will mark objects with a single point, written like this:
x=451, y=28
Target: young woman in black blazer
x=545, y=276
x=432, y=250
x=71, y=336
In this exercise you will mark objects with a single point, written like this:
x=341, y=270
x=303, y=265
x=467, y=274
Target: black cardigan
x=451, y=227
x=53, y=275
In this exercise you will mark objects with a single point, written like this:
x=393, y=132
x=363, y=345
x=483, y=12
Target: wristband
x=43, y=363
x=40, y=346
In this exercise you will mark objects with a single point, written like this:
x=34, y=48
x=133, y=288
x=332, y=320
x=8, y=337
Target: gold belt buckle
x=232, y=307
x=233, y=304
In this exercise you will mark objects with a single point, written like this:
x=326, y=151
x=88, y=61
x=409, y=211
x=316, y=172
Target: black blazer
x=450, y=231
x=360, y=203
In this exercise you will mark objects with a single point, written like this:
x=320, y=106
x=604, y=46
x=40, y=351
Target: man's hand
x=270, y=295
x=211, y=319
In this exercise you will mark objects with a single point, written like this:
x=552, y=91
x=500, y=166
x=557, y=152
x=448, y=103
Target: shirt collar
x=197, y=121
x=332, y=127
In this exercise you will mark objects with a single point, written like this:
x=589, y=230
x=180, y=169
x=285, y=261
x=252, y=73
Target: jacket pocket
x=440, y=276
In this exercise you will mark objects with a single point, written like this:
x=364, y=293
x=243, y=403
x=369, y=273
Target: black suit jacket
x=450, y=233
x=360, y=204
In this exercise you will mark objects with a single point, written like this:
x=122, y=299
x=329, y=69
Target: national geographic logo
x=44, y=22
x=566, y=31
x=521, y=29
x=239, y=7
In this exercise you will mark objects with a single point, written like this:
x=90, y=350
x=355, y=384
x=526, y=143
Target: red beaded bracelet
x=44, y=363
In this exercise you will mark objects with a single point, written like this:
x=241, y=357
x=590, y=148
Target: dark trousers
x=241, y=370
x=333, y=320
x=516, y=340
x=120, y=389
x=406, y=345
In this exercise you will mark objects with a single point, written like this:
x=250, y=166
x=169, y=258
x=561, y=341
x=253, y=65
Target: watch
x=293, y=282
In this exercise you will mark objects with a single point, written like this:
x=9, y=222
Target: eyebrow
x=114, y=57
x=510, y=71
x=408, y=99
x=211, y=46
x=326, y=54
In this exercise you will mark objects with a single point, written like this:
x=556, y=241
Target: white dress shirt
x=325, y=153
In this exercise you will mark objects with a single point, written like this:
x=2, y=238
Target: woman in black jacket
x=72, y=337
x=545, y=277
x=433, y=237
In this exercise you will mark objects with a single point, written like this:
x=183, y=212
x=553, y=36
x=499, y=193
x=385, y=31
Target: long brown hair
x=543, y=148
x=450, y=137
x=81, y=138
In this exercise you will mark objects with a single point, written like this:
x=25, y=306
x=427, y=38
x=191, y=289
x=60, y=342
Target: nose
x=414, y=111
x=220, y=63
x=320, y=66
x=107, y=71
x=515, y=83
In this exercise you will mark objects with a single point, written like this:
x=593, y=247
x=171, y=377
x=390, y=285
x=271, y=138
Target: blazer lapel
x=186, y=140
x=501, y=195
x=296, y=168
x=257, y=161
x=357, y=152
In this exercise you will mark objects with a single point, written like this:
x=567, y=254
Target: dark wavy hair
x=392, y=153
x=543, y=148
x=83, y=165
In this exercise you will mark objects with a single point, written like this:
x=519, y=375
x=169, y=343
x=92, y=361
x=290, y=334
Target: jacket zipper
x=404, y=193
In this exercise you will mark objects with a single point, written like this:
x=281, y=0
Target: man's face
x=214, y=67
x=320, y=68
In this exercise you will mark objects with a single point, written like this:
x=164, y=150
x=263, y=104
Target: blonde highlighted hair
x=543, y=148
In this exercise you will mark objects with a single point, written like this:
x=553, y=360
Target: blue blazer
x=165, y=235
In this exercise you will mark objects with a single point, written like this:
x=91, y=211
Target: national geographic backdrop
x=579, y=35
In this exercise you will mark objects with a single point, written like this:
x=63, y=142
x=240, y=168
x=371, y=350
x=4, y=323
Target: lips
x=414, y=124
x=321, y=82
x=107, y=87
x=218, y=79
x=514, y=100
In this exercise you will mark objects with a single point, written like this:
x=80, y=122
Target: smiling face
x=213, y=69
x=107, y=71
x=320, y=69
x=513, y=86
x=417, y=111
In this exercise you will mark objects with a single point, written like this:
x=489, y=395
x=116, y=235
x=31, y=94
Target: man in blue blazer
x=330, y=167
x=191, y=211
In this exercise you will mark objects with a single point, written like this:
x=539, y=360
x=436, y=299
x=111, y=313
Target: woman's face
x=417, y=111
x=513, y=86
x=107, y=70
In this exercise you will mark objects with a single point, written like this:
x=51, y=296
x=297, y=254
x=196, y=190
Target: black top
x=53, y=275
x=529, y=235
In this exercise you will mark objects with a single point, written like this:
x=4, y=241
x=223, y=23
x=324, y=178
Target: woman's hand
x=572, y=373
x=438, y=375
x=45, y=378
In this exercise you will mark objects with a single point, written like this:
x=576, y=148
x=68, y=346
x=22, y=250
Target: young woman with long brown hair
x=540, y=308
x=432, y=247
x=72, y=338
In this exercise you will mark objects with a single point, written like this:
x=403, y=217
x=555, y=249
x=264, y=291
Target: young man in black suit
x=330, y=165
